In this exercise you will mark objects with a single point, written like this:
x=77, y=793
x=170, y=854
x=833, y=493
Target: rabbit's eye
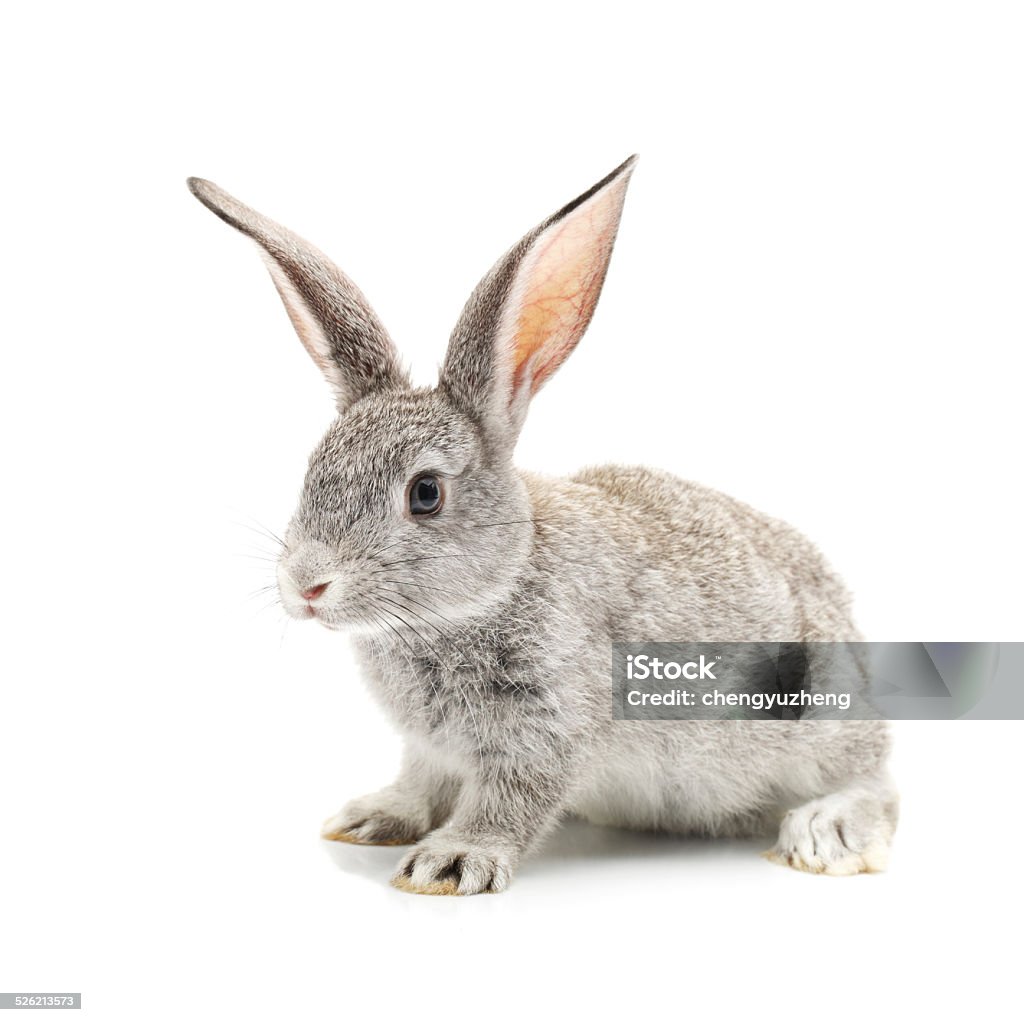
x=425, y=495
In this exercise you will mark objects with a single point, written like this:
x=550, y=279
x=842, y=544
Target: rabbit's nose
x=314, y=592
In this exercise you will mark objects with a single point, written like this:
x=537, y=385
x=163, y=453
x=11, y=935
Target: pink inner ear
x=562, y=280
x=310, y=334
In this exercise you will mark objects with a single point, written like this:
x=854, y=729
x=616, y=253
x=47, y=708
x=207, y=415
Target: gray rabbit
x=482, y=600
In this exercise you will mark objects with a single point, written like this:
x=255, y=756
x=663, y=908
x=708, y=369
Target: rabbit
x=482, y=600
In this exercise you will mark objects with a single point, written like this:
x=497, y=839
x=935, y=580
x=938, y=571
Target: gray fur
x=485, y=631
x=311, y=286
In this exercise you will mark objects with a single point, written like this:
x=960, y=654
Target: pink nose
x=314, y=592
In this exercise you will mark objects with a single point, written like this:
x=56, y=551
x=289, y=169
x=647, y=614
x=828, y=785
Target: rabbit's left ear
x=528, y=314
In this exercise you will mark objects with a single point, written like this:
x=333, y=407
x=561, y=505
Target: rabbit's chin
x=355, y=628
x=335, y=622
x=326, y=616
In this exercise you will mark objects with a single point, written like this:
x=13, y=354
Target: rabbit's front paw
x=381, y=819
x=444, y=863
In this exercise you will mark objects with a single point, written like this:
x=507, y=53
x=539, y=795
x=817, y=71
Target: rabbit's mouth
x=326, y=617
x=349, y=626
x=321, y=608
x=321, y=615
x=317, y=609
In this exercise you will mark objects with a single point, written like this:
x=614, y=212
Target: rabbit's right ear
x=332, y=318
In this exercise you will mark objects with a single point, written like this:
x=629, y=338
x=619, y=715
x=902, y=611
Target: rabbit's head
x=411, y=513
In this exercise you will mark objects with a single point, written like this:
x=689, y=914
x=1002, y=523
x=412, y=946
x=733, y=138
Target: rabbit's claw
x=444, y=864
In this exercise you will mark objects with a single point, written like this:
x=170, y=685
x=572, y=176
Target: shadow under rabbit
x=574, y=844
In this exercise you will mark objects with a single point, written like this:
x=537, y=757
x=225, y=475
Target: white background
x=815, y=305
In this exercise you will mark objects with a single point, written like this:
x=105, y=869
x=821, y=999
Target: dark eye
x=425, y=495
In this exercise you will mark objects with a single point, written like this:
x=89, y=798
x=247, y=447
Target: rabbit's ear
x=526, y=316
x=332, y=318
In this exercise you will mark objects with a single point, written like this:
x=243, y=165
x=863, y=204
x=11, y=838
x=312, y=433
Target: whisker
x=429, y=557
x=441, y=557
x=409, y=610
x=429, y=624
x=437, y=696
x=261, y=530
x=270, y=605
x=425, y=606
x=381, y=549
x=257, y=557
x=478, y=734
x=420, y=585
x=514, y=521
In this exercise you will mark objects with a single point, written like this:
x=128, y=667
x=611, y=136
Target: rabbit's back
x=680, y=561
